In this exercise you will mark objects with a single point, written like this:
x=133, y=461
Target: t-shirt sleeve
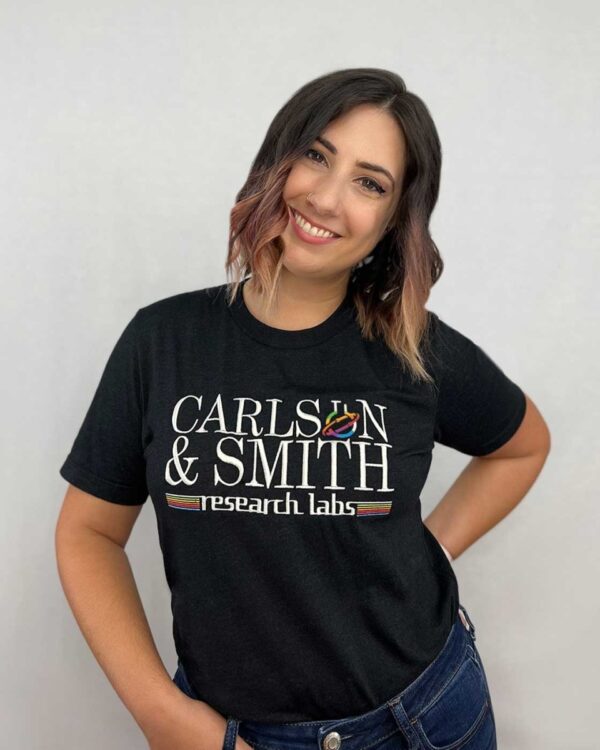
x=479, y=407
x=107, y=457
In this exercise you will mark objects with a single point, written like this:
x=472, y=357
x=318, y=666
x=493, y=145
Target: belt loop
x=469, y=623
x=404, y=723
x=231, y=729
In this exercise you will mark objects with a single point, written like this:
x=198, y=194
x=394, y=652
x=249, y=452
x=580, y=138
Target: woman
x=283, y=425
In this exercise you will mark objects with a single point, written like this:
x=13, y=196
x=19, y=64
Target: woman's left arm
x=490, y=486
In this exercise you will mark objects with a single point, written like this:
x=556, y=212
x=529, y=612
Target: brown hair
x=391, y=286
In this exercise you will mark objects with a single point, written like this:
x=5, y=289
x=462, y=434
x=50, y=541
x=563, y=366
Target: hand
x=190, y=724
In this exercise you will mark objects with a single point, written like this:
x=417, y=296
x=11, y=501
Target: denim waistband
x=400, y=711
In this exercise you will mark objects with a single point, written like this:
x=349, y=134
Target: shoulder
x=435, y=338
x=444, y=346
x=440, y=334
x=179, y=309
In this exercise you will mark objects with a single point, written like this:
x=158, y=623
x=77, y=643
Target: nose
x=325, y=198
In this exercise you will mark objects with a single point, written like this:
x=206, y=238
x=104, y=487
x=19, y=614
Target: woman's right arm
x=98, y=582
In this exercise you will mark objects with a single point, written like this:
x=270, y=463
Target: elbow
x=543, y=438
x=548, y=442
x=541, y=444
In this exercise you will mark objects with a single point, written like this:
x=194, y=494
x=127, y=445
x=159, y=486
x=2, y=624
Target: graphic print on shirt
x=277, y=463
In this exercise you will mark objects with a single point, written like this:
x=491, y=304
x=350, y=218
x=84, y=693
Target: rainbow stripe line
x=381, y=508
x=183, y=502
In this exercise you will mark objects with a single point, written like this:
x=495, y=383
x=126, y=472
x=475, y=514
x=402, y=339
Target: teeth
x=309, y=229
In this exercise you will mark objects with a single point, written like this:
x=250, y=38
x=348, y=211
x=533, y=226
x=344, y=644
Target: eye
x=313, y=151
x=376, y=187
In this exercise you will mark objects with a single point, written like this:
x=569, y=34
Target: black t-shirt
x=285, y=469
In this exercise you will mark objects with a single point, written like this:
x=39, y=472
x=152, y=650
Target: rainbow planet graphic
x=340, y=425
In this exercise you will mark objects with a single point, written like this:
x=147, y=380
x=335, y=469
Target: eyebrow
x=363, y=164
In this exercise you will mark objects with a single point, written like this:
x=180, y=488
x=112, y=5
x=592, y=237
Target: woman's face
x=354, y=202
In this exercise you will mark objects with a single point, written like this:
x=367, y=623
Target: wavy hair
x=390, y=286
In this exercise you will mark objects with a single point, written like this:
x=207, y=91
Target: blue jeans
x=447, y=707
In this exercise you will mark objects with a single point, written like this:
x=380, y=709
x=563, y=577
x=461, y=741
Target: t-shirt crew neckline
x=341, y=317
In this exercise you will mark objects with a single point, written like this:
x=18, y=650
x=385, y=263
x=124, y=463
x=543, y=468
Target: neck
x=300, y=303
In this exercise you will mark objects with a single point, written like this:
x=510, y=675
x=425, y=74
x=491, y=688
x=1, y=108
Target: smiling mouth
x=314, y=231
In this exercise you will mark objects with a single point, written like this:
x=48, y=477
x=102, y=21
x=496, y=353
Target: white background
x=127, y=128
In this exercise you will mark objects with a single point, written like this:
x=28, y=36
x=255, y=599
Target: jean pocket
x=459, y=716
